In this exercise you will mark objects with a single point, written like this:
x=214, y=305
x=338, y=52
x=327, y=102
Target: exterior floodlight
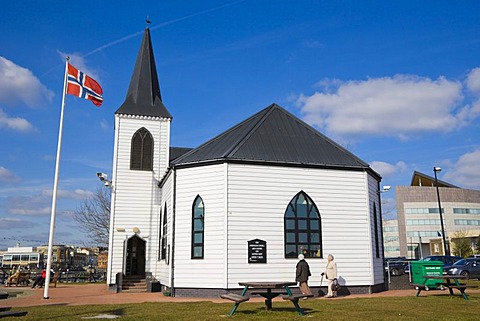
x=102, y=176
x=437, y=169
x=104, y=179
x=386, y=188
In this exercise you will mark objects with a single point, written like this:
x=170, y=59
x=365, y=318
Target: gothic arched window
x=198, y=228
x=141, y=156
x=303, y=228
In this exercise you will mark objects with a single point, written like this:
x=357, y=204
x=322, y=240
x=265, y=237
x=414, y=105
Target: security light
x=104, y=179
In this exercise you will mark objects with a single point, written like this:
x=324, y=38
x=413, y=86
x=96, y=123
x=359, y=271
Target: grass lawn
x=435, y=305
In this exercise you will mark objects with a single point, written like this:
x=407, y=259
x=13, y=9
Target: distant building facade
x=25, y=257
x=419, y=226
x=391, y=241
x=102, y=260
x=60, y=255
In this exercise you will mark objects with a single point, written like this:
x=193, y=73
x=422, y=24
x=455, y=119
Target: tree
x=93, y=216
x=462, y=244
x=478, y=244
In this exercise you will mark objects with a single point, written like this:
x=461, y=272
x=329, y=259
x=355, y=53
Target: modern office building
x=391, y=243
x=418, y=214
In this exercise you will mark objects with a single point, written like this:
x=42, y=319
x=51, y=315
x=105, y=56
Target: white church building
x=239, y=207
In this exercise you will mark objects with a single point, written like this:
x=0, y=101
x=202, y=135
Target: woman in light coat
x=331, y=275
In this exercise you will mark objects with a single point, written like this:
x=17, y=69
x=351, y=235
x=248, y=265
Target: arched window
x=164, y=234
x=303, y=228
x=141, y=155
x=160, y=236
x=198, y=227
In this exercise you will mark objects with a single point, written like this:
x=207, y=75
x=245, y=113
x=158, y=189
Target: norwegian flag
x=83, y=86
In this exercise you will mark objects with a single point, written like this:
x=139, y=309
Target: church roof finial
x=143, y=95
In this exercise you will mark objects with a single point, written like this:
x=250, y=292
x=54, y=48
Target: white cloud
x=19, y=85
x=104, y=125
x=473, y=81
x=472, y=111
x=31, y=205
x=9, y=223
x=80, y=63
x=390, y=106
x=30, y=211
x=15, y=123
x=387, y=169
x=7, y=176
x=75, y=194
x=466, y=171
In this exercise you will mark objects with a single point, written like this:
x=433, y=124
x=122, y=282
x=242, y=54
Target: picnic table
x=450, y=282
x=266, y=290
x=5, y=312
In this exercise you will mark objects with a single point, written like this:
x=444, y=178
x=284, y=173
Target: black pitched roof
x=176, y=152
x=273, y=135
x=143, y=95
x=420, y=179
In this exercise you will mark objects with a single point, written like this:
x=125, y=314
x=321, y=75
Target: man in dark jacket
x=302, y=274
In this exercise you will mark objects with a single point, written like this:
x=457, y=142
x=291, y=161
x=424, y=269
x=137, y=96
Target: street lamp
x=445, y=246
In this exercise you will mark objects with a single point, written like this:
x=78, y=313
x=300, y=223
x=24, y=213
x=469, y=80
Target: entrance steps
x=134, y=284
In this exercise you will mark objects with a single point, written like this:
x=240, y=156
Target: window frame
x=145, y=163
x=302, y=227
x=164, y=233
x=195, y=231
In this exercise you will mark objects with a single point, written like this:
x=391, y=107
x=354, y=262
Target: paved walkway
x=86, y=294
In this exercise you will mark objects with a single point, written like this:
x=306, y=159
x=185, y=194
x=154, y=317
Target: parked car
x=470, y=268
x=447, y=260
x=395, y=265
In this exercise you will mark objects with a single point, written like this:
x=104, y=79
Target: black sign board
x=257, y=251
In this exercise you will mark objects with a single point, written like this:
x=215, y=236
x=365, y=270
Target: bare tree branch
x=93, y=216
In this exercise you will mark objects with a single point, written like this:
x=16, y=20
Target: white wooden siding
x=136, y=197
x=162, y=271
x=255, y=204
x=208, y=182
x=258, y=197
x=378, y=275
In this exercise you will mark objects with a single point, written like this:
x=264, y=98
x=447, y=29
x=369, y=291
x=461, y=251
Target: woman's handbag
x=335, y=285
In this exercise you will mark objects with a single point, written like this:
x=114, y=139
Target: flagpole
x=55, y=187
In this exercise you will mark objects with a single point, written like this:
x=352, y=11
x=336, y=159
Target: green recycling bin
x=420, y=268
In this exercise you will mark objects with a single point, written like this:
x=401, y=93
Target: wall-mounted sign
x=257, y=251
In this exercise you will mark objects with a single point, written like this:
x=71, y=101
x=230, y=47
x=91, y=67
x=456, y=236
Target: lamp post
x=445, y=246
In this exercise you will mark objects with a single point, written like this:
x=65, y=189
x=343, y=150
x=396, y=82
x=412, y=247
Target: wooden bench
x=55, y=279
x=4, y=312
x=294, y=298
x=237, y=298
x=18, y=278
x=450, y=286
x=461, y=287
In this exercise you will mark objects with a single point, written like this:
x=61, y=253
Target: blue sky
x=396, y=82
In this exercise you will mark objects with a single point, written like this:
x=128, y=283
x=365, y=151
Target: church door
x=135, y=260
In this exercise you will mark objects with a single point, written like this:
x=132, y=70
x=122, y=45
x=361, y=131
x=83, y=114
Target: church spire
x=143, y=95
